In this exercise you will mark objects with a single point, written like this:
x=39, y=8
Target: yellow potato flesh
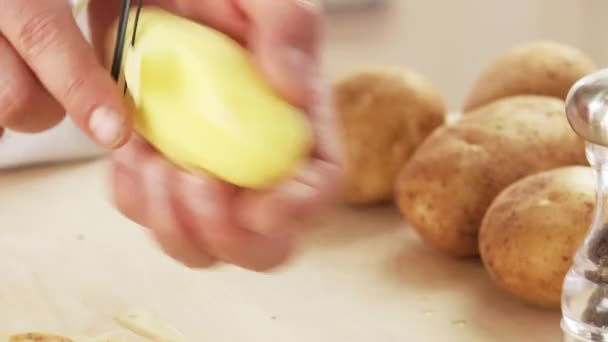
x=201, y=101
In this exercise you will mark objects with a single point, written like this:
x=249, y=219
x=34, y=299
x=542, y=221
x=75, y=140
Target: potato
x=384, y=114
x=452, y=178
x=202, y=102
x=534, y=68
x=531, y=231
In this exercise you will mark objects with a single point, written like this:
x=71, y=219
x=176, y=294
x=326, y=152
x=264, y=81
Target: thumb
x=285, y=38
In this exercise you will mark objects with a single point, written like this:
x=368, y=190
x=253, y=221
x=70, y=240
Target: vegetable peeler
x=121, y=36
x=78, y=6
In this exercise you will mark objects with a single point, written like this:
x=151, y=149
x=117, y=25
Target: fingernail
x=107, y=126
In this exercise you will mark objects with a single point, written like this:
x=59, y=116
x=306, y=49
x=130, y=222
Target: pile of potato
x=508, y=181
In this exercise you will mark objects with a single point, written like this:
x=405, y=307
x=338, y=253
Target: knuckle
x=37, y=33
x=14, y=100
x=74, y=88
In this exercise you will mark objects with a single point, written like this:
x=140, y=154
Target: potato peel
x=38, y=337
x=141, y=323
x=150, y=326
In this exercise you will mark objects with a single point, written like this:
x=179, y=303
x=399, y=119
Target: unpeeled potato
x=384, y=113
x=201, y=101
x=531, y=231
x=444, y=190
x=533, y=68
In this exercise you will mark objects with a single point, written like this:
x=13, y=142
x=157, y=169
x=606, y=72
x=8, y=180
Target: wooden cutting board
x=69, y=263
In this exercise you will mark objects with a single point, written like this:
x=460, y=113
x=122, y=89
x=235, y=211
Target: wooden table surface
x=69, y=263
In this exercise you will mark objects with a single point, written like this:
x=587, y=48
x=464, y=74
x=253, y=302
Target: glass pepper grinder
x=585, y=288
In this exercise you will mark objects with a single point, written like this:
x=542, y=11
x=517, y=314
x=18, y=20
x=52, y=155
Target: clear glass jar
x=585, y=290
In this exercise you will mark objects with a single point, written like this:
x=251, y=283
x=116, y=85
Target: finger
x=204, y=208
x=127, y=189
x=221, y=15
x=325, y=124
x=25, y=106
x=247, y=249
x=285, y=39
x=102, y=14
x=191, y=218
x=161, y=218
x=224, y=16
x=47, y=37
x=314, y=188
x=200, y=206
x=291, y=204
x=200, y=202
x=141, y=183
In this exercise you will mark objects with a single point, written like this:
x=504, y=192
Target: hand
x=200, y=220
x=48, y=68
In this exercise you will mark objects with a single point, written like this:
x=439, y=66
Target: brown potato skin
x=384, y=113
x=533, y=68
x=448, y=184
x=532, y=230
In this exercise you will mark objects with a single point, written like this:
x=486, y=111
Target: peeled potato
x=384, y=113
x=201, y=101
x=444, y=190
x=534, y=68
x=532, y=230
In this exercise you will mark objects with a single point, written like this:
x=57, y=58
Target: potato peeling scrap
x=150, y=326
x=35, y=337
x=141, y=323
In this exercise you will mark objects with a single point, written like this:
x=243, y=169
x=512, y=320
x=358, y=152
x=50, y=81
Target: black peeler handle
x=121, y=35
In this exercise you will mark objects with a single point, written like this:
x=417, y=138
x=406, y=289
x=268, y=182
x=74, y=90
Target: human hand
x=48, y=68
x=200, y=220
